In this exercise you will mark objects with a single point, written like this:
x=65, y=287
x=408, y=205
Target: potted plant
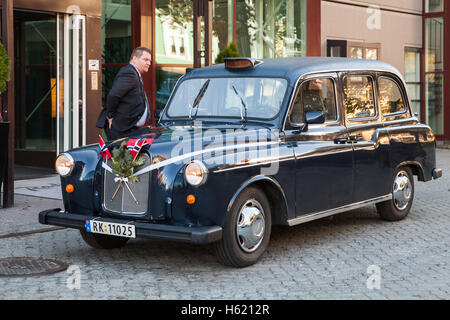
x=4, y=126
x=230, y=51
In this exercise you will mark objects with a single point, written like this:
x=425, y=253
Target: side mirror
x=315, y=118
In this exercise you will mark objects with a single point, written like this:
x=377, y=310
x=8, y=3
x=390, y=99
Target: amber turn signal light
x=190, y=199
x=69, y=188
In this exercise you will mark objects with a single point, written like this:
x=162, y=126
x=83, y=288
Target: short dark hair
x=137, y=52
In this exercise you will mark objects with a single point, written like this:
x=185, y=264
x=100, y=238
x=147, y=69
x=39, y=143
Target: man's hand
x=110, y=122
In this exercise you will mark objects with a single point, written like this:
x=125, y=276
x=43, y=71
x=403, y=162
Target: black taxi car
x=249, y=144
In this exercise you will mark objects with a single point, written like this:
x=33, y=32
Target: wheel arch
x=416, y=168
x=274, y=193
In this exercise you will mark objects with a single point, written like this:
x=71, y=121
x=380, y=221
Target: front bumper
x=194, y=235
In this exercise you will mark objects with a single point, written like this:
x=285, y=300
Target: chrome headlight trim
x=201, y=175
x=64, y=164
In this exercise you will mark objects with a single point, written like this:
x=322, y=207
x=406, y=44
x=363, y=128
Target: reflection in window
x=356, y=53
x=166, y=79
x=412, y=78
x=434, y=6
x=316, y=95
x=228, y=97
x=434, y=44
x=174, y=32
x=371, y=53
x=271, y=28
x=116, y=31
x=390, y=97
x=116, y=40
x=358, y=97
x=434, y=91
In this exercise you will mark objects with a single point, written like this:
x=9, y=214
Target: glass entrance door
x=50, y=82
x=35, y=68
x=71, y=84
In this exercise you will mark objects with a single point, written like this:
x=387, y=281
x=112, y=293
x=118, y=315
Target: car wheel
x=246, y=232
x=100, y=241
x=402, y=196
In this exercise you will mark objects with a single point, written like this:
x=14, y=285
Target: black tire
x=232, y=249
x=100, y=241
x=399, y=207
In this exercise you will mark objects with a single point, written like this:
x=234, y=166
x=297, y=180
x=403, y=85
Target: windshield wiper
x=244, y=106
x=199, y=97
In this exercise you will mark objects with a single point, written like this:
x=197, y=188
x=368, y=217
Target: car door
x=367, y=135
x=324, y=166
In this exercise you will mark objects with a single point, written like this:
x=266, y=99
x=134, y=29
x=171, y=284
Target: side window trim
x=334, y=78
x=374, y=95
x=402, y=92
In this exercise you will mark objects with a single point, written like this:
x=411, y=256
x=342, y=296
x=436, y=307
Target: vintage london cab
x=249, y=144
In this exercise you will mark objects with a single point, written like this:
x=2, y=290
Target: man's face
x=143, y=62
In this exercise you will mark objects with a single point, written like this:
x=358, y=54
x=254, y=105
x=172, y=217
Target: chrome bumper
x=437, y=173
x=194, y=235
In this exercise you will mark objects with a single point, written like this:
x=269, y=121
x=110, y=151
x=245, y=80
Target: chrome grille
x=123, y=202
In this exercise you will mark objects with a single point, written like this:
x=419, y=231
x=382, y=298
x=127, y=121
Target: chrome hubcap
x=402, y=190
x=250, y=226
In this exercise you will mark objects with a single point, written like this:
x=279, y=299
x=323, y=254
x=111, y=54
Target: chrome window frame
x=333, y=75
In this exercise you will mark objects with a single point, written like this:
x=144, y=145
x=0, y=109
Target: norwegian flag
x=104, y=151
x=135, y=145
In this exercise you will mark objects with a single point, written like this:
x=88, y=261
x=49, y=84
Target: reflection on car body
x=250, y=144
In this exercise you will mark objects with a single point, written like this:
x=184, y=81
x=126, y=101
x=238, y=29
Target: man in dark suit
x=127, y=109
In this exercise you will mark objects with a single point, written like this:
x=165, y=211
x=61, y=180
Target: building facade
x=66, y=53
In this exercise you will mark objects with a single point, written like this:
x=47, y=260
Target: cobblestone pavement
x=325, y=259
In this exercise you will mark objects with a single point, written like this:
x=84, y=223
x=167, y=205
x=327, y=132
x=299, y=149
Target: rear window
x=390, y=97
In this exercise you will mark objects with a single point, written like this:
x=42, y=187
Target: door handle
x=355, y=139
x=341, y=140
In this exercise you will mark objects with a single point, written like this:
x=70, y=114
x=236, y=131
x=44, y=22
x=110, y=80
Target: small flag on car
x=135, y=145
x=104, y=151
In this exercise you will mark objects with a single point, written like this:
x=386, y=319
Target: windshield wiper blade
x=199, y=97
x=244, y=106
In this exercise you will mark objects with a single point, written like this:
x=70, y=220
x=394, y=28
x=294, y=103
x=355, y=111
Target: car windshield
x=228, y=97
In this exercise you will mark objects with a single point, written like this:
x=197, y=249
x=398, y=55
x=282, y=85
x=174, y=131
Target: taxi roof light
x=241, y=63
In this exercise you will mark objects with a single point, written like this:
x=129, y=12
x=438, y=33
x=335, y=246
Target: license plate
x=110, y=228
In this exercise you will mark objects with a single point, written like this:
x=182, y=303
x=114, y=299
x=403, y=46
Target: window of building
x=359, y=97
x=434, y=6
x=390, y=97
x=412, y=78
x=370, y=51
x=317, y=95
x=271, y=28
x=116, y=40
x=355, y=50
x=434, y=73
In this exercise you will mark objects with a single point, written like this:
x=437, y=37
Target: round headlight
x=195, y=173
x=64, y=164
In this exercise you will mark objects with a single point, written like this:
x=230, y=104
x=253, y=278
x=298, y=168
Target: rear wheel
x=100, y=241
x=402, y=196
x=246, y=233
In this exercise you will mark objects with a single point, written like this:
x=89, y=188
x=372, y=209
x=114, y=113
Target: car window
x=359, y=97
x=316, y=95
x=228, y=97
x=390, y=96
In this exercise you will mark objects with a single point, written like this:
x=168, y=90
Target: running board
x=331, y=212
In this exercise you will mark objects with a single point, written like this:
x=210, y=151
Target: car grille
x=123, y=202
